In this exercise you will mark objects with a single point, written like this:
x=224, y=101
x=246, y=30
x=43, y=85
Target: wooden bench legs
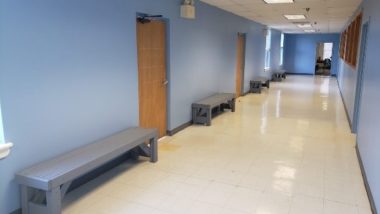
x=232, y=104
x=203, y=115
x=25, y=199
x=255, y=86
x=277, y=77
x=153, y=150
x=48, y=204
x=53, y=200
x=35, y=201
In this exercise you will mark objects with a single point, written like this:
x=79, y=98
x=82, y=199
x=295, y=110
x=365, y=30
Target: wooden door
x=151, y=45
x=240, y=61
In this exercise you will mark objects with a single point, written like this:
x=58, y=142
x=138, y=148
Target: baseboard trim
x=366, y=184
x=18, y=211
x=179, y=128
x=345, y=108
x=308, y=74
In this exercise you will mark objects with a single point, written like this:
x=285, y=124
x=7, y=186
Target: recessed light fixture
x=304, y=25
x=295, y=17
x=279, y=1
x=310, y=31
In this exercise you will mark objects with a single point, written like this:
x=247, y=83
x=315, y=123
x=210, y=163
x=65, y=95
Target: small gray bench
x=278, y=75
x=43, y=186
x=202, y=110
x=256, y=84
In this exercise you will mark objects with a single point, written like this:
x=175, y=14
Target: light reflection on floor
x=287, y=150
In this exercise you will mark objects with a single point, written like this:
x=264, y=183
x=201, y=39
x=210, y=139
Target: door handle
x=165, y=82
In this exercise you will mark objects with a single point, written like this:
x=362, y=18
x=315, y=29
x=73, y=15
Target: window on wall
x=268, y=44
x=349, y=41
x=327, y=50
x=282, y=50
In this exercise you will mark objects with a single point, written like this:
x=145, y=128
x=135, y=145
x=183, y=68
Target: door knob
x=165, y=82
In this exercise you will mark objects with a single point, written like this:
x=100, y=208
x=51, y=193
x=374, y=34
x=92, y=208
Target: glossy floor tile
x=288, y=150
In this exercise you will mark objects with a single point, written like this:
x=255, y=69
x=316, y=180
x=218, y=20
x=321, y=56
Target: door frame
x=360, y=77
x=316, y=57
x=167, y=61
x=244, y=36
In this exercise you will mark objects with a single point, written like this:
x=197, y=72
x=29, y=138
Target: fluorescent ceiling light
x=309, y=31
x=295, y=17
x=278, y=1
x=304, y=25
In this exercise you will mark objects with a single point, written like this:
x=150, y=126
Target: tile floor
x=287, y=150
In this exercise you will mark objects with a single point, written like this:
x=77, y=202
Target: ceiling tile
x=326, y=16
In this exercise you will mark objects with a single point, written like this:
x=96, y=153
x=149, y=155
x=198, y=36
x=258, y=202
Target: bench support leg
x=153, y=150
x=53, y=200
x=194, y=116
x=24, y=199
x=232, y=104
x=209, y=115
x=64, y=189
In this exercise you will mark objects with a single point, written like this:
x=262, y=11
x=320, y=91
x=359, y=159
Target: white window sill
x=5, y=149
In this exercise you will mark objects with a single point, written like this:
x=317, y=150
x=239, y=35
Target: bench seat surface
x=215, y=100
x=260, y=79
x=83, y=159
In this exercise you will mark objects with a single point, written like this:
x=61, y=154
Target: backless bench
x=257, y=83
x=278, y=75
x=44, y=185
x=202, y=109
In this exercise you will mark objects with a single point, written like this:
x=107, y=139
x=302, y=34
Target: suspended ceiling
x=326, y=16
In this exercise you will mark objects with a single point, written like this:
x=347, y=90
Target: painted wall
x=369, y=121
x=300, y=52
x=347, y=77
x=68, y=71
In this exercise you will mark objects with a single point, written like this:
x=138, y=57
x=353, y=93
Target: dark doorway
x=323, y=58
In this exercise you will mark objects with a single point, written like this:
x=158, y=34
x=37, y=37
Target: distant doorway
x=323, y=58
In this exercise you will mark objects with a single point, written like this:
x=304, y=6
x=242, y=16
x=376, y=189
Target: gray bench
x=278, y=75
x=43, y=186
x=202, y=110
x=256, y=84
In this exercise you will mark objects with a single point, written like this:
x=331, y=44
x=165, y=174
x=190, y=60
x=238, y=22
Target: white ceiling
x=330, y=16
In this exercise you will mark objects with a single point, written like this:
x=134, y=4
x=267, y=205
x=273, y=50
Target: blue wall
x=347, y=76
x=68, y=71
x=368, y=134
x=300, y=52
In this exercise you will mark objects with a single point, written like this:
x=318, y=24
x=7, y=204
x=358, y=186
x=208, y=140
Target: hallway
x=287, y=150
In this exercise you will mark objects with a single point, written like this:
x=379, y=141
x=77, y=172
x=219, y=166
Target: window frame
x=268, y=46
x=282, y=43
x=349, y=43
